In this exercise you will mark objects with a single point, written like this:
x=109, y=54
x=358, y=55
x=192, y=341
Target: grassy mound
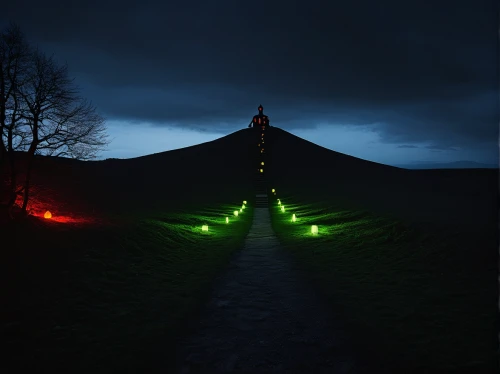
x=423, y=301
x=410, y=255
x=112, y=297
x=108, y=283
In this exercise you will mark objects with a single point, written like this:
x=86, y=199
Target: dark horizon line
x=417, y=165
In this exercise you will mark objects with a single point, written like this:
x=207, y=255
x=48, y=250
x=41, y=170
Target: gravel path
x=264, y=318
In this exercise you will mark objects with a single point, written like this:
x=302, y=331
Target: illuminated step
x=261, y=201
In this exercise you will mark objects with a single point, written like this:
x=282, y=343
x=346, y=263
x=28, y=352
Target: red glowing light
x=37, y=207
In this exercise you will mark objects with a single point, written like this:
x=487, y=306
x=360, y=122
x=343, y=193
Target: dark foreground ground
x=105, y=299
x=264, y=318
x=411, y=256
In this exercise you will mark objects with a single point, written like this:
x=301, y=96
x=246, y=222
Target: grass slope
x=112, y=291
x=417, y=283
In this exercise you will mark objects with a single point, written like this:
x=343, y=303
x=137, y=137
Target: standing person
x=260, y=119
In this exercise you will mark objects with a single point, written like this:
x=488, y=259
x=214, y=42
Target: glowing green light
x=314, y=229
x=294, y=218
x=273, y=190
x=262, y=163
x=241, y=210
x=236, y=213
x=261, y=170
x=204, y=228
x=227, y=219
x=243, y=206
x=279, y=202
x=283, y=208
x=244, y=201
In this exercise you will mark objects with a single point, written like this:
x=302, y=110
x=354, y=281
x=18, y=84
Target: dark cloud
x=415, y=71
x=440, y=148
x=407, y=146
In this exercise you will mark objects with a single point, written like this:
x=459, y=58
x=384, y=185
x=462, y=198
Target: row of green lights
x=314, y=228
x=236, y=213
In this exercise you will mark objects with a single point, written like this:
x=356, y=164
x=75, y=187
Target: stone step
x=261, y=199
x=261, y=202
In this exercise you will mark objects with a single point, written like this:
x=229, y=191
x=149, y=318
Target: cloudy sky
x=390, y=81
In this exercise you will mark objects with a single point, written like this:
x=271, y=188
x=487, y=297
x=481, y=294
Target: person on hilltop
x=260, y=119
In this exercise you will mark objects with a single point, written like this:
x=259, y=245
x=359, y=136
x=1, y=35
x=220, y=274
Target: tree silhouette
x=14, y=62
x=48, y=116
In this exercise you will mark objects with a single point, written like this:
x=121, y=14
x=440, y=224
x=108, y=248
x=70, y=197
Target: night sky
x=394, y=81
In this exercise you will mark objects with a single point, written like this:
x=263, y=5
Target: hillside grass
x=420, y=300
x=110, y=297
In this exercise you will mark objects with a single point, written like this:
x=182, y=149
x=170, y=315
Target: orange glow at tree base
x=38, y=208
x=71, y=219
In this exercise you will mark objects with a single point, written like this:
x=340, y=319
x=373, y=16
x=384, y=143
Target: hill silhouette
x=466, y=197
x=443, y=197
x=133, y=261
x=448, y=165
x=208, y=171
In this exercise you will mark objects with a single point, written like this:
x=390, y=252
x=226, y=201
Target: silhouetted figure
x=260, y=120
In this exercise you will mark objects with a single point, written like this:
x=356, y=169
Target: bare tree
x=41, y=112
x=14, y=61
x=61, y=123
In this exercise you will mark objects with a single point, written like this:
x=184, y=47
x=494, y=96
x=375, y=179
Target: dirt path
x=263, y=318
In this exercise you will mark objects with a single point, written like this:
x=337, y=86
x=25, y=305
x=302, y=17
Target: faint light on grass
x=236, y=213
x=227, y=219
x=294, y=218
x=283, y=209
x=204, y=228
x=314, y=230
x=47, y=215
x=279, y=202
